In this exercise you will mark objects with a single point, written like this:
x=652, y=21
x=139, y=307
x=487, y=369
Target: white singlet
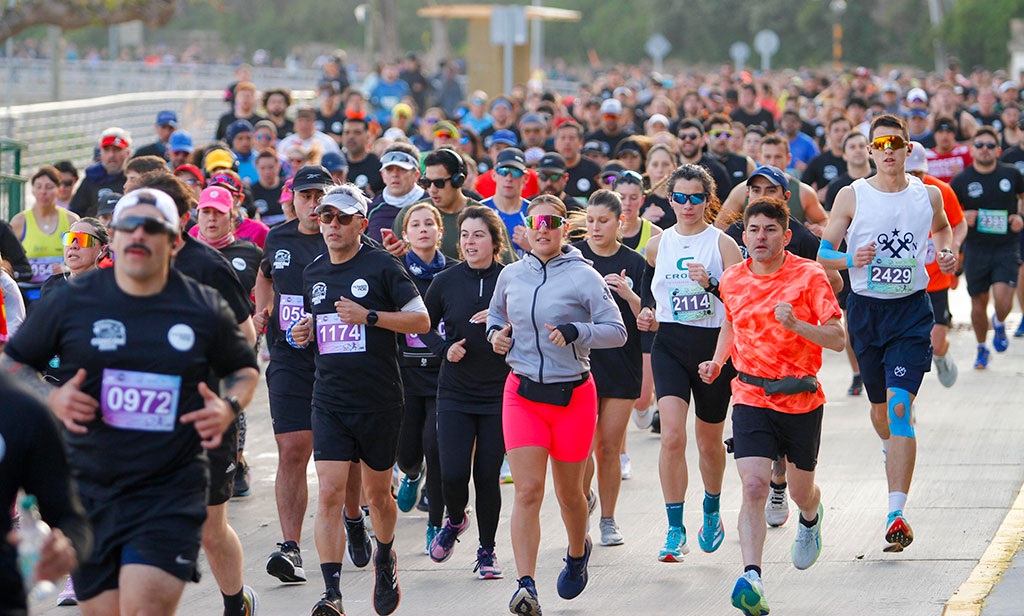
x=680, y=300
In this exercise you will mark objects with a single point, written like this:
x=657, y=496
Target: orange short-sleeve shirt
x=938, y=281
x=761, y=345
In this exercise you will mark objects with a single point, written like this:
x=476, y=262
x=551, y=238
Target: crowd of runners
x=440, y=300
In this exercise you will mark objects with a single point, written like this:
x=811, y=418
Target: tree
x=73, y=14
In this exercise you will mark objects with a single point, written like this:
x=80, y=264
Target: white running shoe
x=643, y=419
x=627, y=466
x=776, y=510
x=945, y=369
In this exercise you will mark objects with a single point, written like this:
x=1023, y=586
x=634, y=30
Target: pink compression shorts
x=567, y=432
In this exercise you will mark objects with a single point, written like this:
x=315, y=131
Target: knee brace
x=900, y=426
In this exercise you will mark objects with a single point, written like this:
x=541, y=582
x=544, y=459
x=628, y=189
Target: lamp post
x=838, y=7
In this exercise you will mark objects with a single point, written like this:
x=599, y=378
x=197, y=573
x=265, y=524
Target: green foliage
x=978, y=30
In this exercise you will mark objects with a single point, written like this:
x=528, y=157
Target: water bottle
x=32, y=533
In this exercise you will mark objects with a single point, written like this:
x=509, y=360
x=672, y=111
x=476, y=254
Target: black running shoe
x=286, y=563
x=360, y=546
x=656, y=423
x=386, y=592
x=856, y=387
x=330, y=605
x=242, y=481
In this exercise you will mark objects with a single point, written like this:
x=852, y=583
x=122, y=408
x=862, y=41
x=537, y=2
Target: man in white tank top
x=885, y=221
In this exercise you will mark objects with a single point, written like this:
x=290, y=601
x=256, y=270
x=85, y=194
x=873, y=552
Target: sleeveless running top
x=680, y=300
x=44, y=250
x=899, y=224
x=641, y=238
x=796, y=207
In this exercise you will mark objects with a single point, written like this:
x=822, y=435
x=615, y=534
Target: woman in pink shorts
x=548, y=310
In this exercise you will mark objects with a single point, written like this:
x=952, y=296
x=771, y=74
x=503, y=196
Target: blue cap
x=504, y=136
x=774, y=175
x=334, y=162
x=180, y=141
x=236, y=127
x=167, y=118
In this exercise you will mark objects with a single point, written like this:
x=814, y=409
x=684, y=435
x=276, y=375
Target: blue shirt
x=803, y=150
x=478, y=125
x=385, y=96
x=511, y=222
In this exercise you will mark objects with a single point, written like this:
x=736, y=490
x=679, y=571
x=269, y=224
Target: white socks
x=897, y=501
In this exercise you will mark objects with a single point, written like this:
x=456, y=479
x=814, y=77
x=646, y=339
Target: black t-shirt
x=229, y=117
x=267, y=201
x=627, y=358
x=332, y=124
x=582, y=178
x=822, y=169
x=366, y=174
x=1012, y=156
x=834, y=187
x=995, y=196
x=286, y=252
x=992, y=120
x=735, y=166
x=723, y=183
x=802, y=244
x=12, y=251
x=419, y=363
x=144, y=358
x=474, y=384
x=33, y=458
x=286, y=128
x=244, y=258
x=356, y=365
x=204, y=264
x=665, y=221
x=762, y=118
x=611, y=140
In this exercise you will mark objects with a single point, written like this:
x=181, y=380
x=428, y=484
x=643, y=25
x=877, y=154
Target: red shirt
x=761, y=345
x=486, y=185
x=945, y=166
x=938, y=281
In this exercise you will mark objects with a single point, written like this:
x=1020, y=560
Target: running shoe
x=359, y=544
x=573, y=578
x=945, y=369
x=981, y=362
x=524, y=599
x=1020, y=330
x=286, y=563
x=711, y=533
x=329, y=605
x=610, y=534
x=591, y=502
x=243, y=481
x=999, y=339
x=856, y=386
x=748, y=595
x=368, y=522
x=656, y=422
x=386, y=591
x=487, y=565
x=423, y=505
x=505, y=476
x=776, y=510
x=431, y=533
x=251, y=601
x=675, y=546
x=396, y=480
x=443, y=546
x=67, y=596
x=408, y=491
x=644, y=418
x=899, y=534
x=807, y=544
x=627, y=466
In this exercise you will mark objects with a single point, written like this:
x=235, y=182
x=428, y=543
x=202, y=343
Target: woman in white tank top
x=680, y=290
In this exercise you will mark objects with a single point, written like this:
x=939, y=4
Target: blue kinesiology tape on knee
x=900, y=426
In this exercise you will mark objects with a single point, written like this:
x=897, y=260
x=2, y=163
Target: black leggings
x=419, y=437
x=457, y=432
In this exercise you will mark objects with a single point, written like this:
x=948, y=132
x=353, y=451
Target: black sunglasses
x=985, y=146
x=150, y=225
x=549, y=177
x=425, y=182
x=343, y=219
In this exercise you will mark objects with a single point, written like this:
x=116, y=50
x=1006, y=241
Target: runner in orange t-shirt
x=939, y=283
x=779, y=313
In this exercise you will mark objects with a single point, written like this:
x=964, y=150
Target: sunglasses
x=985, y=146
x=721, y=134
x=85, y=240
x=507, y=171
x=689, y=136
x=479, y=101
x=464, y=140
x=549, y=221
x=262, y=137
x=431, y=120
x=550, y=177
x=630, y=177
x=610, y=116
x=150, y=225
x=189, y=181
x=67, y=183
x=443, y=134
x=888, y=142
x=695, y=198
x=343, y=219
x=425, y=182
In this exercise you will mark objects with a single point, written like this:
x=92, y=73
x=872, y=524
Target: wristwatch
x=233, y=401
x=371, y=318
x=712, y=285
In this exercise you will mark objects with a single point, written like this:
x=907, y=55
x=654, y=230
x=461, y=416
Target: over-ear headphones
x=213, y=147
x=459, y=177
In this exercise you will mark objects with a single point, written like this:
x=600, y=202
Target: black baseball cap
x=312, y=177
x=511, y=157
x=552, y=161
x=105, y=204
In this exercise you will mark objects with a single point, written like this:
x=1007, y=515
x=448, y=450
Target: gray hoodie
x=530, y=294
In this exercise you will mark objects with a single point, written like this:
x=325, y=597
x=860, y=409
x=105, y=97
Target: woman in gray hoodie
x=548, y=310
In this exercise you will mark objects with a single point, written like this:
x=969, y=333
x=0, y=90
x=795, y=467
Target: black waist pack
x=557, y=394
x=786, y=385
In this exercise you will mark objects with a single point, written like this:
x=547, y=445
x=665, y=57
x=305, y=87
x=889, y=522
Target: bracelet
x=291, y=341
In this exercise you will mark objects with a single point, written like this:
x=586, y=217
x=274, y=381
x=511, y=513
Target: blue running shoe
x=443, y=545
x=712, y=533
x=432, y=532
x=408, y=492
x=524, y=600
x=999, y=339
x=675, y=546
x=1020, y=330
x=573, y=578
x=748, y=595
x=982, y=361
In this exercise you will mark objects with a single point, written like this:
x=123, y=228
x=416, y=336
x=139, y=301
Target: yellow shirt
x=44, y=250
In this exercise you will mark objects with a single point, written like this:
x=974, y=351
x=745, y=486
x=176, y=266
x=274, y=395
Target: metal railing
x=12, y=182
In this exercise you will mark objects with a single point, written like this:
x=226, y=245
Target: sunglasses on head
x=695, y=198
x=67, y=183
x=85, y=240
x=343, y=219
x=425, y=182
x=987, y=145
x=553, y=176
x=227, y=182
x=721, y=134
x=150, y=225
x=549, y=221
x=507, y=171
x=888, y=142
x=629, y=177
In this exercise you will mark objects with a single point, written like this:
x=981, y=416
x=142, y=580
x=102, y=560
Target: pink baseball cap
x=286, y=190
x=217, y=197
